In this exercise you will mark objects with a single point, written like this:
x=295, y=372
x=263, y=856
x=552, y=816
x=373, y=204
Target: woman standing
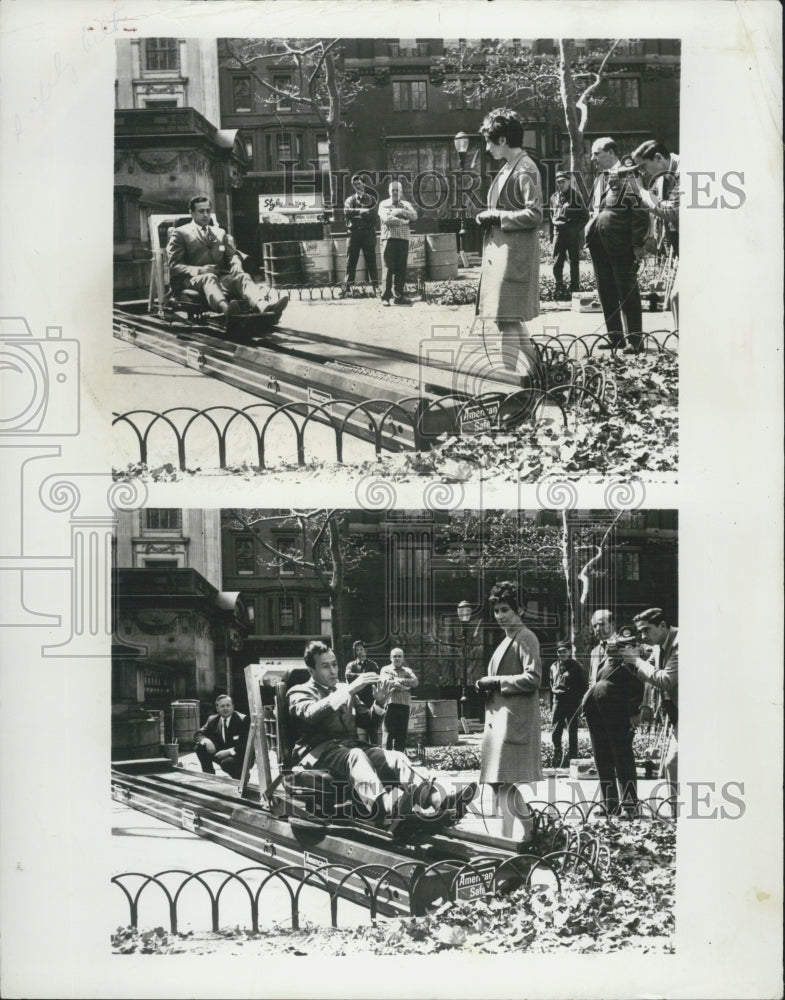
x=511, y=742
x=509, y=288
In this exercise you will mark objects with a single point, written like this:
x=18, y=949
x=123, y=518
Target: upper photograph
x=451, y=258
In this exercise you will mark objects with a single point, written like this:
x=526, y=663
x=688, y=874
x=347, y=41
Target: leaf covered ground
x=631, y=909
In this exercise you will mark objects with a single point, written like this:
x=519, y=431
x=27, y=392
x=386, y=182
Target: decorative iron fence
x=570, y=851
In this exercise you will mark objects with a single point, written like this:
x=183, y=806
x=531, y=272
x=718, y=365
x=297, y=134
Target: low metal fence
x=565, y=848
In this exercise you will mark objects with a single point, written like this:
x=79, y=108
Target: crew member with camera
x=661, y=671
x=611, y=708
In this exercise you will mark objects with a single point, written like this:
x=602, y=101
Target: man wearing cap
x=611, y=707
x=568, y=686
x=615, y=235
x=661, y=671
x=568, y=217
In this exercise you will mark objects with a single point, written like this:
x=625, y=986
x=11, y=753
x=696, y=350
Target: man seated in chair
x=326, y=715
x=204, y=258
x=222, y=739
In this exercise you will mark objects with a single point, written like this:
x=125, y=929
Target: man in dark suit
x=611, y=707
x=222, y=738
x=615, y=235
x=204, y=257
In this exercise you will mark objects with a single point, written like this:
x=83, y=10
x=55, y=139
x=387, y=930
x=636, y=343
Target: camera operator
x=611, y=709
x=661, y=671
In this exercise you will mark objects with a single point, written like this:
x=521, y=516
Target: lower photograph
x=350, y=732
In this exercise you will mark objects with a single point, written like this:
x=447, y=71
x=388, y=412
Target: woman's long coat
x=509, y=286
x=511, y=742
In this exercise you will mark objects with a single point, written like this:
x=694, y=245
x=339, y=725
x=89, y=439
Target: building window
x=408, y=47
x=247, y=141
x=244, y=560
x=161, y=54
x=627, y=566
x=161, y=564
x=625, y=92
x=288, y=545
x=241, y=93
x=322, y=151
x=284, y=146
x=286, y=615
x=433, y=163
x=250, y=608
x=282, y=83
x=325, y=619
x=163, y=518
x=159, y=104
x=467, y=95
x=410, y=95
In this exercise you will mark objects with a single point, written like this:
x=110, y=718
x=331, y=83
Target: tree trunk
x=336, y=590
x=568, y=99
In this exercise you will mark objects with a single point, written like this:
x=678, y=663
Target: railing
x=569, y=852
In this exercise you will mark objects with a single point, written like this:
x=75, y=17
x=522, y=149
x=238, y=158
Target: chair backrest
x=287, y=727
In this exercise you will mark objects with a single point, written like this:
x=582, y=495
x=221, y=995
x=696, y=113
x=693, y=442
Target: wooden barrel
x=135, y=739
x=441, y=256
x=185, y=722
x=340, y=245
x=317, y=262
x=418, y=724
x=415, y=263
x=283, y=263
x=442, y=723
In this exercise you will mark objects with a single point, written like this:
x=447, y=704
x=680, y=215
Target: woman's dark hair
x=314, y=649
x=503, y=123
x=507, y=591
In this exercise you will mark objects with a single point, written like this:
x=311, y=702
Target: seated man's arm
x=179, y=268
x=306, y=705
x=232, y=260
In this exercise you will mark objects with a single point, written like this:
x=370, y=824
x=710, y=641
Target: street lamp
x=461, y=142
x=464, y=612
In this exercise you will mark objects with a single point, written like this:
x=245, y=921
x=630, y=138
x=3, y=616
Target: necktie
x=223, y=729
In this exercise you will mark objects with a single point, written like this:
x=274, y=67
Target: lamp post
x=461, y=142
x=464, y=612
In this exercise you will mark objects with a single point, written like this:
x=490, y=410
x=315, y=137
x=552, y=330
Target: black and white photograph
x=390, y=395
x=396, y=252
x=440, y=730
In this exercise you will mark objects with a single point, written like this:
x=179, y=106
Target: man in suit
x=611, y=707
x=326, y=714
x=222, y=738
x=661, y=671
x=615, y=235
x=204, y=257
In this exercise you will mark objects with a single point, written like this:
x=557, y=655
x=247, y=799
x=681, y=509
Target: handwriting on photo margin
x=60, y=71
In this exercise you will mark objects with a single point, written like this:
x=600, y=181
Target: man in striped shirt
x=395, y=215
x=400, y=680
